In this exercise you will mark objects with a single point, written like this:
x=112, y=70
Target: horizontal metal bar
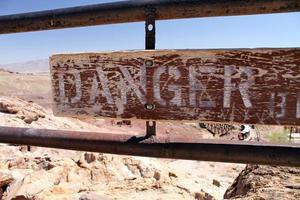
x=189, y=147
x=134, y=11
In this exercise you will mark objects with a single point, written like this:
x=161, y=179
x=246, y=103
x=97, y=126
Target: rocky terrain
x=266, y=182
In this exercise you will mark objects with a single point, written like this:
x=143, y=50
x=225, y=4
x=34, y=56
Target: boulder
x=266, y=182
x=24, y=110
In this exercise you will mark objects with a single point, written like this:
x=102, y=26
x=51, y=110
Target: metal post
x=150, y=28
x=150, y=44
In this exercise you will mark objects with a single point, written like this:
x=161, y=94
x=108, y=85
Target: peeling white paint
x=62, y=92
x=177, y=99
x=298, y=106
x=227, y=86
x=272, y=105
x=95, y=91
x=282, y=105
x=77, y=81
x=197, y=86
x=156, y=85
x=243, y=87
x=132, y=85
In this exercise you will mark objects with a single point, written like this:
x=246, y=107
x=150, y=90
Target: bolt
x=148, y=63
x=149, y=106
x=51, y=22
x=150, y=27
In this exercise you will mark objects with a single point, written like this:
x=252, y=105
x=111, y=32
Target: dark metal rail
x=189, y=147
x=134, y=11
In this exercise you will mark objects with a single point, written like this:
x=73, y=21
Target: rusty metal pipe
x=176, y=147
x=134, y=11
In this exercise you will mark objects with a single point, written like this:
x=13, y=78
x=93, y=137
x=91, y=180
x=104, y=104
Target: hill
x=41, y=65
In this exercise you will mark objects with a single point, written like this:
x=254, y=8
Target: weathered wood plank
x=244, y=85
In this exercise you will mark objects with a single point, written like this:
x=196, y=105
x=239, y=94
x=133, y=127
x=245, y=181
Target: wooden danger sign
x=243, y=85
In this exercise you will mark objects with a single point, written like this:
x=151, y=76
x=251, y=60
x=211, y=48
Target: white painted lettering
x=156, y=85
x=133, y=86
x=243, y=87
x=175, y=74
x=282, y=105
x=298, y=105
x=105, y=92
x=76, y=82
x=61, y=85
x=272, y=104
x=124, y=88
x=197, y=85
x=227, y=86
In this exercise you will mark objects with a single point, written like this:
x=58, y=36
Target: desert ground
x=45, y=173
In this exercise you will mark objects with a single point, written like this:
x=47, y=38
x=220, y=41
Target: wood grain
x=256, y=86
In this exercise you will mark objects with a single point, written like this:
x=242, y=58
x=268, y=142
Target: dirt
x=31, y=87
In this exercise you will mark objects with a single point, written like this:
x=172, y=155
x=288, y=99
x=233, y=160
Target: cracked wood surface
x=230, y=85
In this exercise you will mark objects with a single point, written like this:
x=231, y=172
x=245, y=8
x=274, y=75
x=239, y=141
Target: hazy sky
x=276, y=30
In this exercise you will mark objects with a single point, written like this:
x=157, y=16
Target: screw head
x=150, y=27
x=149, y=106
x=148, y=63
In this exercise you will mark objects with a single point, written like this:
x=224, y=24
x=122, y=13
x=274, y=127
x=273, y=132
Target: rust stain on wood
x=243, y=85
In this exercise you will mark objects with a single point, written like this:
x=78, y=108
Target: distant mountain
x=32, y=66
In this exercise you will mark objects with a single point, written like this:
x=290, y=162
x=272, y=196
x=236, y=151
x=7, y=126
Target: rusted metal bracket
x=150, y=28
x=150, y=128
x=150, y=44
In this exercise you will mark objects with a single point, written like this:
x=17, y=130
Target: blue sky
x=275, y=30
